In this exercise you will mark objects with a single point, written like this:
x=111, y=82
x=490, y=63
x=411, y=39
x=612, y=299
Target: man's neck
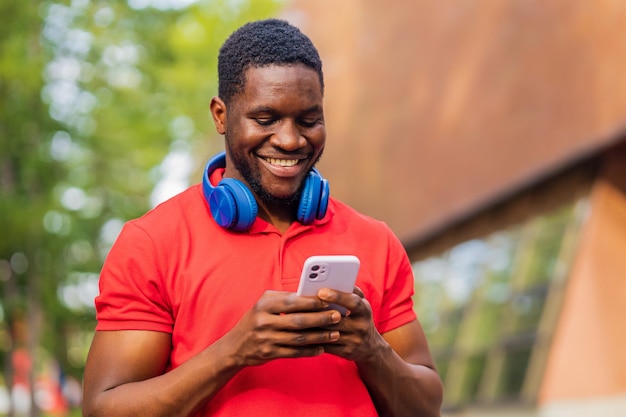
x=281, y=217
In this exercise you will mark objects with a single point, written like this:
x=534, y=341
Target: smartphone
x=337, y=272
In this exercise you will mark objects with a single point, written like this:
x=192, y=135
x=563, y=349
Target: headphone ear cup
x=246, y=208
x=223, y=207
x=310, y=198
x=231, y=203
x=324, y=197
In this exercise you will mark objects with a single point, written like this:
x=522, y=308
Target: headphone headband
x=234, y=207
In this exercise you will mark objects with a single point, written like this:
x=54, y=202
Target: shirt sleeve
x=397, y=305
x=131, y=286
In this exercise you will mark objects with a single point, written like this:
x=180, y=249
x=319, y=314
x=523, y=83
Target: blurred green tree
x=98, y=99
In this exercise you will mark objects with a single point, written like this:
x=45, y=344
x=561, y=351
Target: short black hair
x=262, y=43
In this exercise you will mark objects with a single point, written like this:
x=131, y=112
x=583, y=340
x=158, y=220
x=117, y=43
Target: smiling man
x=274, y=132
x=197, y=311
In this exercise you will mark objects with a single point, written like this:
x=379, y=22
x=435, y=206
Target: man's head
x=270, y=111
x=259, y=44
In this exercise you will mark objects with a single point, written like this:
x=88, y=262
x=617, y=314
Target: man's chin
x=283, y=200
x=280, y=199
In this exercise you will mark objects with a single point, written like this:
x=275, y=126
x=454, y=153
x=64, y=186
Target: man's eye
x=265, y=122
x=308, y=123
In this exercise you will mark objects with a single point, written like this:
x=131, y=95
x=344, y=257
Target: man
x=198, y=314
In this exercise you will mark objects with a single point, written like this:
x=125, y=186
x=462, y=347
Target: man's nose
x=288, y=136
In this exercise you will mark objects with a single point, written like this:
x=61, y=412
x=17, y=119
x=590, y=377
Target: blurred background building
x=490, y=135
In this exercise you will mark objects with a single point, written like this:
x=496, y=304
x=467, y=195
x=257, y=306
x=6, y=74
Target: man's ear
x=218, y=111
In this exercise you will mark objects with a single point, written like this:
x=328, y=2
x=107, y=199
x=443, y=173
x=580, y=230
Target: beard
x=254, y=182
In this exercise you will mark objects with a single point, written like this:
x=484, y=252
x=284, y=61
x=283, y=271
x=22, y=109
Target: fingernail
x=323, y=293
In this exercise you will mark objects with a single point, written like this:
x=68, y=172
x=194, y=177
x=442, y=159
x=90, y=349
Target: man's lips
x=282, y=162
x=283, y=167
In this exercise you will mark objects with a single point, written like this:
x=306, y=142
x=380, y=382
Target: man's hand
x=283, y=325
x=358, y=338
x=396, y=366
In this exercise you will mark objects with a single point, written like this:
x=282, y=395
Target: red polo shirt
x=175, y=270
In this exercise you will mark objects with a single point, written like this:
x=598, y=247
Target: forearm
x=399, y=388
x=179, y=392
x=125, y=370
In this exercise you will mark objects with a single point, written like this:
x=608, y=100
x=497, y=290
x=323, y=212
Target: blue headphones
x=233, y=206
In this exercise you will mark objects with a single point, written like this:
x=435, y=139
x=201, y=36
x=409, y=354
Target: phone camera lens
x=315, y=267
x=313, y=275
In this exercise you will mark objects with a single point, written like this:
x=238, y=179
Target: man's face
x=274, y=131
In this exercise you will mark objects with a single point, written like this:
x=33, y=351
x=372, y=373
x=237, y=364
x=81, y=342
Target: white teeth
x=282, y=162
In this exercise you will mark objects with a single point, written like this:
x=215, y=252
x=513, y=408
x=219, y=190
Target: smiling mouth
x=282, y=162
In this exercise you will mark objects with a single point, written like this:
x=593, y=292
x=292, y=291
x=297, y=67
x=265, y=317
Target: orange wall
x=588, y=357
x=435, y=109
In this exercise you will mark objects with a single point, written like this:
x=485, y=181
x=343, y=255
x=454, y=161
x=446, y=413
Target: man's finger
x=358, y=292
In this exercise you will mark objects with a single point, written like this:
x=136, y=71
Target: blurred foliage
x=94, y=94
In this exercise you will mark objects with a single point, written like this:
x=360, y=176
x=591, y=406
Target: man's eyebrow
x=316, y=108
x=262, y=109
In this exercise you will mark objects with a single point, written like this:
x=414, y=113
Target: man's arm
x=124, y=375
x=397, y=367
x=125, y=370
x=400, y=374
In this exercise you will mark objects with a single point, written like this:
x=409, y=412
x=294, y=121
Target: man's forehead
x=276, y=77
x=253, y=71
